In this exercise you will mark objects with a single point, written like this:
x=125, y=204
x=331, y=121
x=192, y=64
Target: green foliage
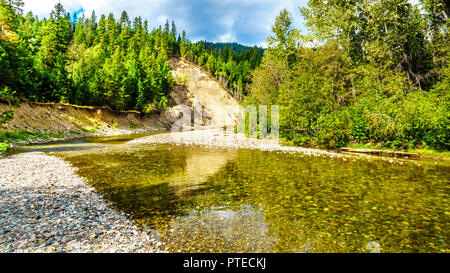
x=231, y=64
x=236, y=47
x=26, y=136
x=374, y=78
x=89, y=130
x=116, y=63
x=3, y=147
x=6, y=116
x=120, y=64
x=378, y=73
x=7, y=95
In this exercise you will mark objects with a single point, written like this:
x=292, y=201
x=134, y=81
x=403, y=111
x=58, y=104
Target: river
x=237, y=200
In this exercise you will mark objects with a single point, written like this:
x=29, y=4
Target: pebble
x=218, y=138
x=46, y=207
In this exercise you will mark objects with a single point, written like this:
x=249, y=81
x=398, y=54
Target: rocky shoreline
x=46, y=207
x=220, y=139
x=103, y=133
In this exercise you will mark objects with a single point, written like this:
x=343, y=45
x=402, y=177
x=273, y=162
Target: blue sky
x=244, y=21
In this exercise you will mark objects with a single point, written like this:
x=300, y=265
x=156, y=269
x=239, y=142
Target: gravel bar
x=218, y=138
x=46, y=207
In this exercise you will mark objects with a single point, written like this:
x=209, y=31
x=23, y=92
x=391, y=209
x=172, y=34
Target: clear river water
x=225, y=200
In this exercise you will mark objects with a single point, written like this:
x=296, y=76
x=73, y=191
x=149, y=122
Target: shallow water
x=87, y=143
x=219, y=200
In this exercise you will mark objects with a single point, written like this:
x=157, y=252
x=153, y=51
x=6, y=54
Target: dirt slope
x=38, y=117
x=197, y=90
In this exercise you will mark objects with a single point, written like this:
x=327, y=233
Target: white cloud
x=43, y=7
x=227, y=37
x=245, y=21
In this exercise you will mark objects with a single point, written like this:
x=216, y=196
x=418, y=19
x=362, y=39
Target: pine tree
x=438, y=25
x=15, y=59
x=56, y=36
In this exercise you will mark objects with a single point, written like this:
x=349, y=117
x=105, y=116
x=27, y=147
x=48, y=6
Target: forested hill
x=102, y=60
x=232, y=67
x=236, y=47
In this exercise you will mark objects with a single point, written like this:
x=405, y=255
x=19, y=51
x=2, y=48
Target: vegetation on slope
x=109, y=62
x=103, y=61
x=231, y=64
x=379, y=74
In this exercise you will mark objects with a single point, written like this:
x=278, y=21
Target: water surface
x=224, y=200
x=85, y=143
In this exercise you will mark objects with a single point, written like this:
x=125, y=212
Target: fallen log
x=380, y=152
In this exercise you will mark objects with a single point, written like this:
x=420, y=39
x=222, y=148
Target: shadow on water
x=218, y=200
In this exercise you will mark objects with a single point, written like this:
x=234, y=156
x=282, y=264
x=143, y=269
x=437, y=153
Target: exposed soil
x=194, y=89
x=201, y=94
x=55, y=117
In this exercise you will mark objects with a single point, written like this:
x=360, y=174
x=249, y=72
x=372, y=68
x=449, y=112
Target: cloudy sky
x=244, y=21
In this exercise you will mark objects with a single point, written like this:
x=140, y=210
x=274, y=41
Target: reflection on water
x=80, y=144
x=199, y=166
x=218, y=200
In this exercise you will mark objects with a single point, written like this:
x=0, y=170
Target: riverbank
x=24, y=137
x=35, y=123
x=424, y=153
x=218, y=138
x=47, y=207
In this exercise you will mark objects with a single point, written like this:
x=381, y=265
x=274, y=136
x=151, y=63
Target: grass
x=25, y=135
x=90, y=131
x=21, y=136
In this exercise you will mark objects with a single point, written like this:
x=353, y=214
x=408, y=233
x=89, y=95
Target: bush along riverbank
x=33, y=123
x=364, y=83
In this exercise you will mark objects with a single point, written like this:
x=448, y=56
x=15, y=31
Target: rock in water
x=373, y=247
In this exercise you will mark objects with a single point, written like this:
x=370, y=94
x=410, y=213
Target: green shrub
x=25, y=135
x=89, y=131
x=3, y=147
x=334, y=130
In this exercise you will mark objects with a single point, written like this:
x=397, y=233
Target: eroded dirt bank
x=54, y=117
x=195, y=89
x=203, y=95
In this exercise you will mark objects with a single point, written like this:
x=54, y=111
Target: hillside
x=64, y=118
x=238, y=48
x=197, y=90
